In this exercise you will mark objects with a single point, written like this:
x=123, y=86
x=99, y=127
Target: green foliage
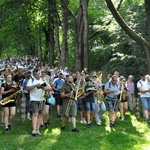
x=22, y=26
x=112, y=49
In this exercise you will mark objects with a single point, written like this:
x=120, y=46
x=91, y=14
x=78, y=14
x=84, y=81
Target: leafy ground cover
x=131, y=134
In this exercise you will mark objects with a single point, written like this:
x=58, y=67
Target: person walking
x=144, y=89
x=111, y=91
x=69, y=105
x=37, y=90
x=8, y=89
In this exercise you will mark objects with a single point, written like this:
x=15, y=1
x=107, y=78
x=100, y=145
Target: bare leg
x=12, y=114
x=6, y=116
x=73, y=121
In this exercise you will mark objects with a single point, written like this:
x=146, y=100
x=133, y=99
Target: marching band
x=77, y=95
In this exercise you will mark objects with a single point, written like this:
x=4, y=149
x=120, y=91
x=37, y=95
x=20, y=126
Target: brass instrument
x=2, y=71
x=80, y=92
x=77, y=88
x=100, y=96
x=123, y=94
x=15, y=70
x=8, y=99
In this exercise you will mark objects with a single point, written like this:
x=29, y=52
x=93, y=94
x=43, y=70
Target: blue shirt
x=111, y=87
x=59, y=83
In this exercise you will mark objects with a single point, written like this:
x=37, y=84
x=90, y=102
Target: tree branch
x=137, y=38
x=108, y=23
x=68, y=10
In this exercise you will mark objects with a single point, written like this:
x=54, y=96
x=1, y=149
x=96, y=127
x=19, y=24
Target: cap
x=130, y=76
x=122, y=77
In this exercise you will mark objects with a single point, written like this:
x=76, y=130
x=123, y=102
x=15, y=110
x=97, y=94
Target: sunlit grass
x=130, y=134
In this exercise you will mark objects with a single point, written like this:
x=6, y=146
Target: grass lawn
x=127, y=135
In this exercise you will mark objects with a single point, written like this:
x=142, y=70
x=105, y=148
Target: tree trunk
x=85, y=34
x=79, y=40
x=81, y=33
x=51, y=14
x=64, y=49
x=51, y=47
x=137, y=38
x=57, y=39
x=147, y=8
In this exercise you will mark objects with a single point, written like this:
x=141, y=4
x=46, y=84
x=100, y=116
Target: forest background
x=101, y=35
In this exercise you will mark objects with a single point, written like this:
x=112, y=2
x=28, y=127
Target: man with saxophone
x=37, y=90
x=69, y=105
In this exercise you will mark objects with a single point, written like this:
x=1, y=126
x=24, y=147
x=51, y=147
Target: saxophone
x=8, y=99
x=100, y=96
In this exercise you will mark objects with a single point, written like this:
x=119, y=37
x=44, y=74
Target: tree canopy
x=78, y=33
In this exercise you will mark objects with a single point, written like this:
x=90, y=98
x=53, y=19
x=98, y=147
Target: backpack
x=141, y=83
x=109, y=87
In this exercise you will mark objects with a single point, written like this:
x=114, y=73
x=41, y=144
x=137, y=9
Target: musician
x=100, y=106
x=47, y=79
x=37, y=91
x=1, y=110
x=89, y=101
x=111, y=91
x=123, y=98
x=7, y=89
x=67, y=92
x=81, y=100
x=18, y=78
x=99, y=76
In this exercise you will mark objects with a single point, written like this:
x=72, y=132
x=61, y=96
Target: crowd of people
x=77, y=94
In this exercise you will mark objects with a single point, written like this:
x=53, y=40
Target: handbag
x=51, y=100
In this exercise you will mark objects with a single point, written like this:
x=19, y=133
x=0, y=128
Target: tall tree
x=80, y=24
x=64, y=48
x=145, y=44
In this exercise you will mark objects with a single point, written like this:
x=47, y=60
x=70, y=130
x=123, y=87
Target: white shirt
x=36, y=94
x=144, y=86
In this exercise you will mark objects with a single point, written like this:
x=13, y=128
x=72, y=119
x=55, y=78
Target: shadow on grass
x=127, y=135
